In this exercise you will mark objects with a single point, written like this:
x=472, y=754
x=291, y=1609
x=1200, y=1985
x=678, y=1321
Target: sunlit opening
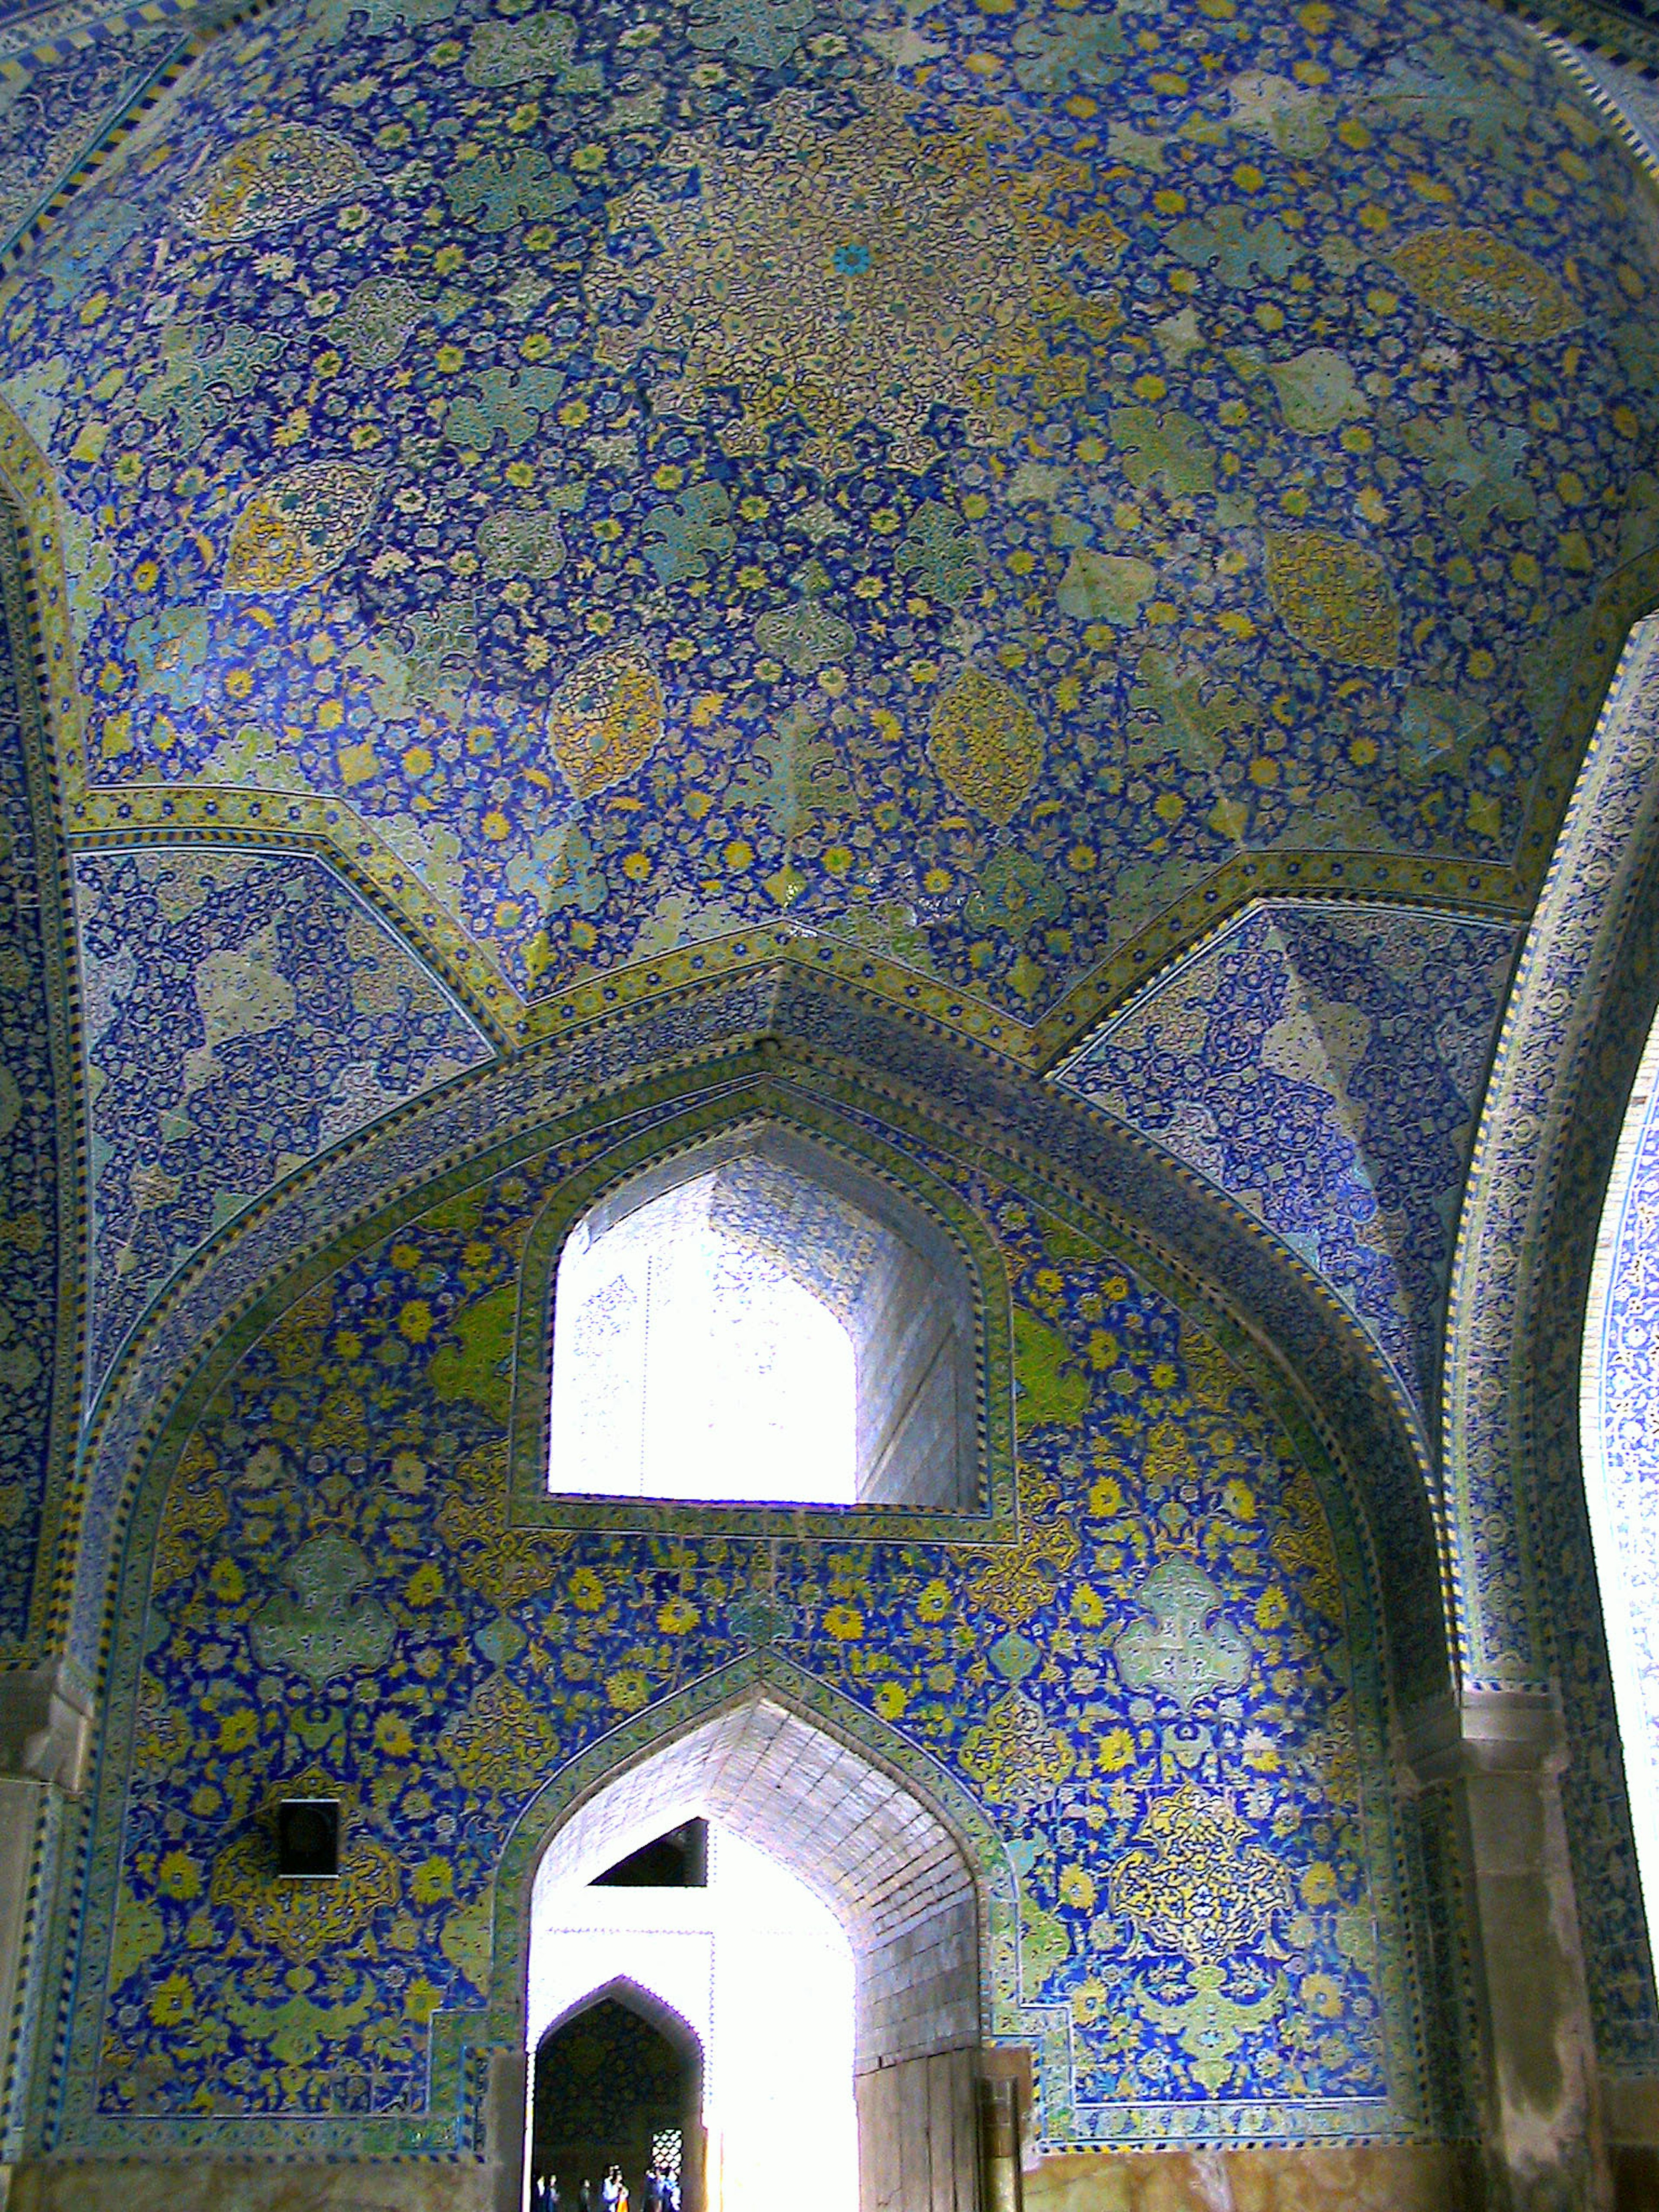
x=1619, y=1420
x=760, y=1970
x=689, y=1362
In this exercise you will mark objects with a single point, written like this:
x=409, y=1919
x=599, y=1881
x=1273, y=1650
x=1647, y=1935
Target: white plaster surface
x=892, y=1873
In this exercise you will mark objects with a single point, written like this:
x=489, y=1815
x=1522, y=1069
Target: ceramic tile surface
x=66, y=75
x=467, y=422
x=241, y=1013
x=1323, y=1064
x=1524, y=1568
x=339, y=1590
x=35, y=1182
x=530, y=507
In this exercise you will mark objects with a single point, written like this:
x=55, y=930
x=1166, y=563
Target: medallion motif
x=605, y=719
x=274, y=177
x=202, y=368
x=536, y=46
x=1195, y=1883
x=865, y=275
x=986, y=745
x=325, y=1628
x=375, y=324
x=1189, y=1648
x=1333, y=597
x=1487, y=285
x=500, y=1747
x=1017, y=1756
x=300, y=525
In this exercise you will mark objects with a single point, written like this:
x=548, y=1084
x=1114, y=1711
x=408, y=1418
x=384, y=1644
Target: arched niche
x=810, y=1226
x=896, y=1876
x=943, y=1262
x=563, y=1765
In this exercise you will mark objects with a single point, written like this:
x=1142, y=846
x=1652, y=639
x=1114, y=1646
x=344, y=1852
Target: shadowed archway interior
x=612, y=2080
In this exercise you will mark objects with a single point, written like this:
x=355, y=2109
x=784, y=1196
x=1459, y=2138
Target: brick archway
x=895, y=1877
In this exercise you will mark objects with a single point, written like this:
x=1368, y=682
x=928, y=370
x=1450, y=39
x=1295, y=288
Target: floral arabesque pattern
x=64, y=83
x=375, y=1408
x=537, y=531
x=242, y=1013
x=1323, y=1065
x=36, y=1182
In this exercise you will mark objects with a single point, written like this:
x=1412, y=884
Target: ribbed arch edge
x=829, y=1043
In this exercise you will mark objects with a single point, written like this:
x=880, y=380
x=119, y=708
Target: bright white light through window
x=689, y=1363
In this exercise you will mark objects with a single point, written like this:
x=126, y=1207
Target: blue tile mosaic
x=338, y=1588
x=241, y=1013
x=468, y=422
x=1323, y=1064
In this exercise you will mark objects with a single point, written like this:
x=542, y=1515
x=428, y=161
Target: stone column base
x=1630, y=2112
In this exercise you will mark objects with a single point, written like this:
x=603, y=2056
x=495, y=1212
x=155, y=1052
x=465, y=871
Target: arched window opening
x=1618, y=1440
x=829, y=1968
x=762, y=1323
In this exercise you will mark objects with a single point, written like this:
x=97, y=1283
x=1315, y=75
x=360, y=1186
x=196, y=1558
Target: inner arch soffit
x=881, y=1833
x=1566, y=1055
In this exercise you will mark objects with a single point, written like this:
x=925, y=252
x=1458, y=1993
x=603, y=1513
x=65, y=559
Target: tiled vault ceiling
x=976, y=499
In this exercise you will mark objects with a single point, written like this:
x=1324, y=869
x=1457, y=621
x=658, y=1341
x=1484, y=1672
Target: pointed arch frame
x=464, y=2043
x=764, y=1674
x=654, y=2009
x=1567, y=1052
x=823, y=1044
x=767, y=1102
x=1527, y=1621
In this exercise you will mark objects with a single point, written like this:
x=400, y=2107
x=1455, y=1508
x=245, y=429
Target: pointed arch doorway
x=619, y=2081
x=897, y=1880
